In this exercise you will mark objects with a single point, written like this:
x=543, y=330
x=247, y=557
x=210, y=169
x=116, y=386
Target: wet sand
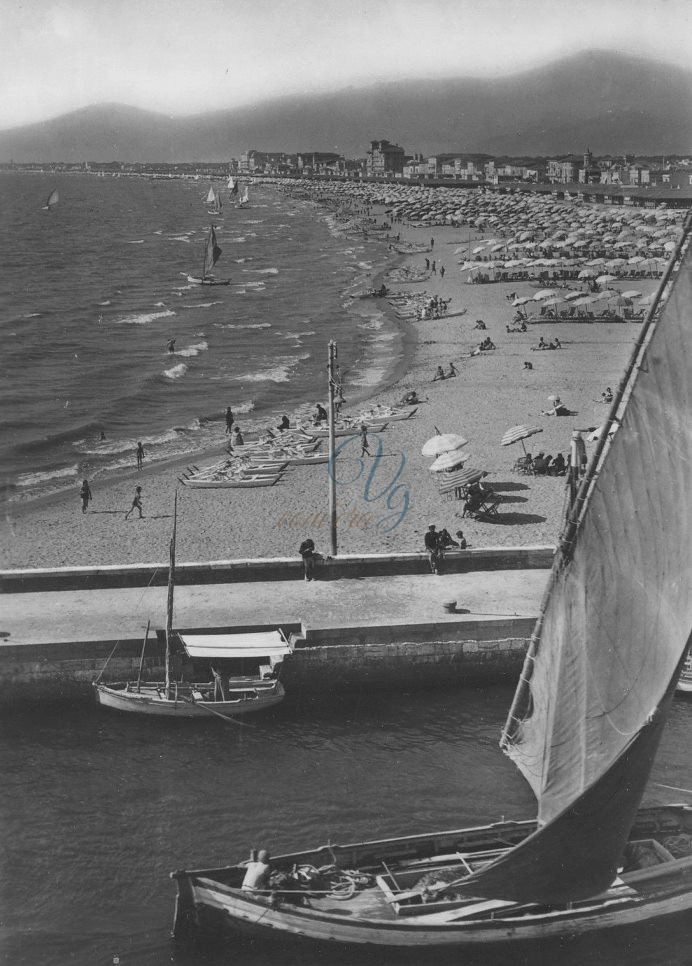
x=384, y=505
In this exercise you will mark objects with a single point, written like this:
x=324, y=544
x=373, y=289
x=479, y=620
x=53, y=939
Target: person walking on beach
x=433, y=269
x=432, y=242
x=140, y=454
x=364, y=450
x=229, y=420
x=136, y=503
x=307, y=552
x=442, y=271
x=427, y=264
x=171, y=345
x=85, y=494
x=432, y=547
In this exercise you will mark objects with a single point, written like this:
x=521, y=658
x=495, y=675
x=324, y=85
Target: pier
x=380, y=622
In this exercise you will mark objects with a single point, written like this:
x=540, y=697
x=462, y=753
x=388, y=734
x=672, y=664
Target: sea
x=97, y=808
x=94, y=288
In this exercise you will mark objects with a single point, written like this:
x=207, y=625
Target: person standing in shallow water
x=140, y=455
x=229, y=420
x=85, y=494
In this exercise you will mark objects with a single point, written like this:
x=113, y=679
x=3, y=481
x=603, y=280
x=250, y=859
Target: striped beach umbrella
x=517, y=434
x=443, y=443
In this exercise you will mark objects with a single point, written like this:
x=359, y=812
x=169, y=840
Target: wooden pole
x=331, y=366
x=141, y=659
x=169, y=605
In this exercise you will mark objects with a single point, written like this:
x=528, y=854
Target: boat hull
x=208, y=906
x=151, y=702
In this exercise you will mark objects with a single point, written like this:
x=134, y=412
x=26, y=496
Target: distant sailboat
x=212, y=253
x=52, y=200
x=244, y=198
x=213, y=202
x=232, y=187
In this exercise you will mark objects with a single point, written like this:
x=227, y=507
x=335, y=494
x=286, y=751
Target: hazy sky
x=184, y=56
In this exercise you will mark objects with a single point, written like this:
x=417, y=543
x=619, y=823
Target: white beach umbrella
x=631, y=293
x=443, y=443
x=545, y=293
x=448, y=461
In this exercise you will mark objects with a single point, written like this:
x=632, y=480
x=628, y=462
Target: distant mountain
x=604, y=101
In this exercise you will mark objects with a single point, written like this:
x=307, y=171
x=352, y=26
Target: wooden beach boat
x=599, y=676
x=353, y=430
x=229, y=674
x=231, y=482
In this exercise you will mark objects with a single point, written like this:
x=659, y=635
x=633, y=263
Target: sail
x=53, y=198
x=212, y=252
x=211, y=197
x=231, y=184
x=611, y=639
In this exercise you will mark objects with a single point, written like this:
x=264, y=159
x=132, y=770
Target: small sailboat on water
x=213, y=202
x=232, y=187
x=244, y=198
x=591, y=703
x=212, y=253
x=52, y=200
x=241, y=671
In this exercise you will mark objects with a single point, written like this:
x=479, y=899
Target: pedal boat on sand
x=598, y=680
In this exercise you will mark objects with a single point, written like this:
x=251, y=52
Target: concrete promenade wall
x=289, y=568
x=326, y=660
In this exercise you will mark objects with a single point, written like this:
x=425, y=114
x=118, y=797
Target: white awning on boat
x=270, y=644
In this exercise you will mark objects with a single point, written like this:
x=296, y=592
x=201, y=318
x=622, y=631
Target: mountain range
x=602, y=100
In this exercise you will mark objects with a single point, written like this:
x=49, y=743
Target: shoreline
x=384, y=505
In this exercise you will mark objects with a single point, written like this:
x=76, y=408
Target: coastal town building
x=384, y=159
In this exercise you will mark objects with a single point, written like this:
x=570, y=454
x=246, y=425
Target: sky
x=188, y=56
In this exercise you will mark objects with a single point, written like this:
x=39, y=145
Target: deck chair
x=488, y=509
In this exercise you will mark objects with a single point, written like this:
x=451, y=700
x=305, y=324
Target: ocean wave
x=242, y=325
x=257, y=286
x=180, y=238
x=192, y=350
x=372, y=324
x=32, y=315
x=36, y=479
x=201, y=305
x=262, y=271
x=365, y=266
x=106, y=302
x=112, y=447
x=280, y=372
x=139, y=241
x=143, y=318
x=253, y=221
x=177, y=372
x=159, y=305
x=239, y=240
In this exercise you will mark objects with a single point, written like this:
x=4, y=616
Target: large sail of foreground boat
x=212, y=252
x=614, y=626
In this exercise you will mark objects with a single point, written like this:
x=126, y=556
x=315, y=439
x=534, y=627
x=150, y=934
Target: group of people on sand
x=547, y=465
x=441, y=374
x=559, y=408
x=434, y=308
x=86, y=497
x=485, y=346
x=542, y=344
x=437, y=542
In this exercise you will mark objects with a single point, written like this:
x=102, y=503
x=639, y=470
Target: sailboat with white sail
x=213, y=202
x=241, y=671
x=212, y=253
x=244, y=197
x=584, y=726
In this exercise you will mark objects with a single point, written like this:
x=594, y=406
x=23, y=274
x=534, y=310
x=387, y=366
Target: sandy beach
x=386, y=504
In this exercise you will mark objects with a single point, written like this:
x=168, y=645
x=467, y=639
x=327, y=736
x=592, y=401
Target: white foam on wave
x=281, y=372
x=242, y=325
x=257, y=286
x=200, y=305
x=139, y=241
x=32, y=315
x=110, y=447
x=365, y=266
x=239, y=240
x=373, y=324
x=35, y=479
x=369, y=377
x=180, y=238
x=193, y=350
x=262, y=271
x=143, y=318
x=177, y=372
x=159, y=305
x=253, y=221
x=105, y=302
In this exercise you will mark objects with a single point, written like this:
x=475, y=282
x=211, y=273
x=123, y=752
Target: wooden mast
x=169, y=604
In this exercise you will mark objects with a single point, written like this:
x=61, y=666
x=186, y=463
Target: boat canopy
x=271, y=644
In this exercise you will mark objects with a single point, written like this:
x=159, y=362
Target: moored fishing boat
x=216, y=674
x=685, y=682
x=590, y=707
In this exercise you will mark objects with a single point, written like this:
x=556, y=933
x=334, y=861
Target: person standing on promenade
x=364, y=450
x=140, y=454
x=307, y=552
x=136, y=503
x=432, y=546
x=85, y=494
x=229, y=420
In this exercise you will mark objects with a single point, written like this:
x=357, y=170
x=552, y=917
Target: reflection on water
x=97, y=808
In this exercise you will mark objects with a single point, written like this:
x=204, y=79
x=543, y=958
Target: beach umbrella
x=522, y=301
x=573, y=295
x=604, y=279
x=631, y=293
x=619, y=300
x=470, y=474
x=443, y=443
x=449, y=461
x=517, y=434
x=587, y=273
x=545, y=293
